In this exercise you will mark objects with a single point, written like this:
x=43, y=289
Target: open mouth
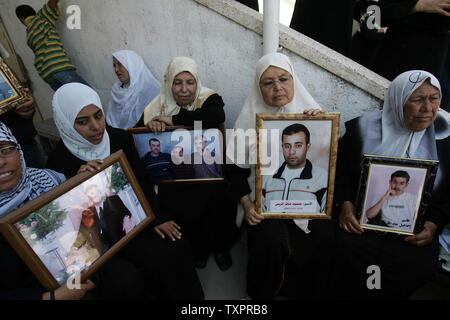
x=6, y=174
x=97, y=138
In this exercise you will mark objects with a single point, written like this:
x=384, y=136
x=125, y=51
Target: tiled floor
x=228, y=285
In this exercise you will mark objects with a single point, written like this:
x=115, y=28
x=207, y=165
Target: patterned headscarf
x=32, y=184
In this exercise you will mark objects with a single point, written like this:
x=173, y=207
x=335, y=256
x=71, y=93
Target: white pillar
x=271, y=19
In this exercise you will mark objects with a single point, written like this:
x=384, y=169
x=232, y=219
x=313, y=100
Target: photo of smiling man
x=298, y=186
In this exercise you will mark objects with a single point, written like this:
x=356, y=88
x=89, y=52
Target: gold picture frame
x=58, y=234
x=306, y=198
x=12, y=93
x=186, y=168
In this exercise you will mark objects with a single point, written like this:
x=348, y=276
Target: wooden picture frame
x=394, y=193
x=58, y=234
x=311, y=194
x=178, y=152
x=12, y=93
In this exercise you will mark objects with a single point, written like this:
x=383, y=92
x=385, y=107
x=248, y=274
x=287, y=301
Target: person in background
x=135, y=89
x=417, y=37
x=51, y=60
x=20, y=121
x=250, y=3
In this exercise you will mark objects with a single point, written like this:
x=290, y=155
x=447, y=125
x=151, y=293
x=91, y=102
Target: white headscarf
x=67, y=102
x=33, y=182
x=254, y=104
x=164, y=104
x=127, y=104
x=385, y=133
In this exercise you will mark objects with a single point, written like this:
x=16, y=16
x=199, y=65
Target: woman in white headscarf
x=279, y=249
x=133, y=91
x=408, y=126
x=86, y=141
x=183, y=100
x=18, y=185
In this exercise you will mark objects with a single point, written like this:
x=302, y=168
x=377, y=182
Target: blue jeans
x=58, y=79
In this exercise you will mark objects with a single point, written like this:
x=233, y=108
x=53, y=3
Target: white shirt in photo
x=399, y=211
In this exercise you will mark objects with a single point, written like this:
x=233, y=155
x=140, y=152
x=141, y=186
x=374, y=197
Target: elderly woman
x=409, y=126
x=86, y=141
x=279, y=251
x=18, y=185
x=135, y=88
x=202, y=216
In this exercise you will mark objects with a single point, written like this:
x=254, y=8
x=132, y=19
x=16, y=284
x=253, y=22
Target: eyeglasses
x=269, y=84
x=8, y=151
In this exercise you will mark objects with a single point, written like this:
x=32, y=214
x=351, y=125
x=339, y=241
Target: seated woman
x=202, y=213
x=408, y=126
x=18, y=185
x=285, y=257
x=86, y=140
x=132, y=93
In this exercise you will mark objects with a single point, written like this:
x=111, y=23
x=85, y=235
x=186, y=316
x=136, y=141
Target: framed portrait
x=394, y=192
x=181, y=154
x=12, y=93
x=296, y=165
x=80, y=224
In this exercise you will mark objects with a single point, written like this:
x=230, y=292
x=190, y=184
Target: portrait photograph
x=11, y=91
x=296, y=165
x=181, y=154
x=393, y=193
x=72, y=232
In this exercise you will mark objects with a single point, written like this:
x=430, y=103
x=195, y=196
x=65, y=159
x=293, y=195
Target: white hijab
x=385, y=133
x=67, y=102
x=127, y=104
x=164, y=104
x=254, y=104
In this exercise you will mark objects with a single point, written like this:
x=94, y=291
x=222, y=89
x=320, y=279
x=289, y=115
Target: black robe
x=416, y=41
x=204, y=212
x=282, y=259
x=167, y=266
x=404, y=267
x=327, y=21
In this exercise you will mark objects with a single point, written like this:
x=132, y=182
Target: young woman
x=86, y=140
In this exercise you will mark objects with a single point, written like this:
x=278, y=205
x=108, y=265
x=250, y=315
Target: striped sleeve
x=49, y=14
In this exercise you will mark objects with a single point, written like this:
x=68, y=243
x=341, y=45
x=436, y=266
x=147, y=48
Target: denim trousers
x=58, y=79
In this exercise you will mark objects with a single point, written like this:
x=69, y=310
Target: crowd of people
x=291, y=258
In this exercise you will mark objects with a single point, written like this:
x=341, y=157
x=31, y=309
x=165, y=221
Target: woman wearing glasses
x=18, y=185
x=279, y=251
